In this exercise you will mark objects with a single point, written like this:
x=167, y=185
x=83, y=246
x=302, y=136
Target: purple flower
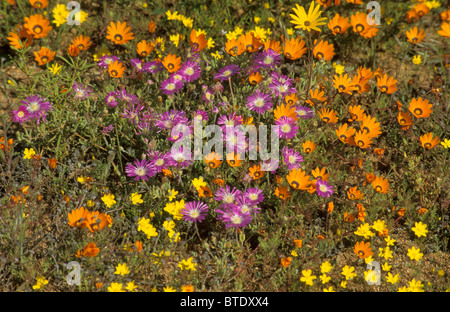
x=246, y=205
x=160, y=160
x=140, y=170
x=323, y=188
x=108, y=129
x=190, y=71
x=110, y=99
x=106, y=60
x=267, y=59
x=37, y=107
x=194, y=211
x=230, y=120
x=281, y=84
x=167, y=120
x=255, y=195
x=201, y=114
x=259, y=102
x=171, y=86
x=304, y=112
x=133, y=112
x=233, y=216
x=226, y=72
x=127, y=97
x=137, y=64
x=287, y=127
x=235, y=140
x=20, y=115
x=153, y=67
x=180, y=158
x=227, y=194
x=79, y=92
x=292, y=158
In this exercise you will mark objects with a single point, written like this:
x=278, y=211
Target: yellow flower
x=390, y=241
x=29, y=153
x=80, y=16
x=81, y=179
x=131, y=286
x=175, y=39
x=307, y=277
x=145, y=226
x=290, y=31
x=40, y=282
x=379, y=226
x=364, y=230
x=115, y=287
x=420, y=229
x=187, y=22
x=417, y=59
x=340, y=69
x=136, y=198
x=173, y=16
x=60, y=14
x=294, y=253
x=415, y=286
x=309, y=21
x=445, y=143
x=108, y=199
x=188, y=264
x=172, y=194
x=329, y=289
x=11, y=82
x=169, y=225
x=211, y=43
x=55, y=68
x=198, y=183
x=122, y=269
x=217, y=55
x=392, y=278
x=325, y=267
x=257, y=19
x=386, y=267
x=324, y=278
x=414, y=254
x=348, y=272
x=169, y=289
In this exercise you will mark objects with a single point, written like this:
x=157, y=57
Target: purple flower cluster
x=34, y=108
x=238, y=208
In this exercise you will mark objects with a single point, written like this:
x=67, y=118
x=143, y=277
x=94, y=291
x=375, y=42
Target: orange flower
x=370, y=126
x=52, y=163
x=213, y=160
x=323, y=50
x=309, y=146
x=116, y=69
x=343, y=83
x=363, y=139
x=411, y=16
x=445, y=30
x=415, y=36
x=172, y=63
x=73, y=50
x=380, y=185
x=353, y=193
x=234, y=160
x=291, y=99
x=405, y=120
x=286, y=261
x=298, y=179
x=317, y=95
x=428, y=142
x=273, y=44
x=37, y=25
x=204, y=191
x=219, y=182
x=255, y=78
x=96, y=221
x=356, y=113
x=167, y=173
x=77, y=218
x=138, y=245
x=234, y=47
x=420, y=108
x=82, y=42
x=422, y=9
x=361, y=27
x=91, y=250
x=3, y=145
x=360, y=84
x=370, y=177
x=255, y=172
x=330, y=207
x=294, y=48
x=349, y=217
x=250, y=42
x=39, y=4
x=320, y=174
x=20, y=38
x=387, y=84
x=144, y=48
x=197, y=42
x=151, y=27
x=298, y=243
x=285, y=110
x=120, y=33
x=44, y=56
x=282, y=192
x=338, y=24
x=363, y=250
x=361, y=212
x=328, y=115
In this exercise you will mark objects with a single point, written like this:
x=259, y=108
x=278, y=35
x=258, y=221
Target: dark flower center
x=307, y=23
x=359, y=28
x=37, y=29
x=378, y=188
x=418, y=111
x=383, y=88
x=337, y=29
x=114, y=72
x=427, y=145
x=118, y=37
x=295, y=184
x=170, y=66
x=361, y=143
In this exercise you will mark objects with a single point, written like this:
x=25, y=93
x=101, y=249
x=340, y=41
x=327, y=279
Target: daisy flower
x=227, y=195
x=133, y=112
x=323, y=188
x=137, y=64
x=140, y=170
x=309, y=21
x=194, y=211
x=292, y=158
x=281, y=85
x=159, y=160
x=255, y=195
x=304, y=112
x=153, y=67
x=20, y=115
x=246, y=205
x=127, y=97
x=230, y=120
x=287, y=127
x=259, y=102
x=190, y=71
x=171, y=86
x=234, y=217
x=104, y=61
x=37, y=107
x=226, y=72
x=180, y=158
x=79, y=92
x=267, y=59
x=110, y=99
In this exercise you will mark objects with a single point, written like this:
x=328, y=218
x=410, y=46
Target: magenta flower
x=292, y=158
x=137, y=64
x=259, y=102
x=106, y=60
x=287, y=127
x=304, y=112
x=227, y=195
x=171, y=86
x=233, y=216
x=194, y=211
x=153, y=67
x=255, y=195
x=127, y=97
x=20, y=115
x=323, y=188
x=110, y=99
x=246, y=205
x=159, y=160
x=190, y=71
x=227, y=72
x=37, y=107
x=281, y=84
x=133, y=112
x=140, y=170
x=267, y=59
x=79, y=92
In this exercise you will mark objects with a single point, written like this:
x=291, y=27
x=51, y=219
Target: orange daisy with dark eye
x=405, y=120
x=323, y=50
x=255, y=172
x=415, y=35
x=39, y=4
x=37, y=26
x=82, y=42
x=428, y=141
x=344, y=133
x=144, y=48
x=116, y=69
x=255, y=78
x=380, y=185
x=197, y=42
x=387, y=84
x=363, y=250
x=250, y=42
x=172, y=63
x=343, y=83
x=328, y=115
x=370, y=126
x=420, y=108
x=309, y=146
x=294, y=48
x=213, y=160
x=234, y=160
x=354, y=193
x=44, y=56
x=234, y=47
x=119, y=33
x=339, y=24
x=282, y=192
x=298, y=179
x=363, y=139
